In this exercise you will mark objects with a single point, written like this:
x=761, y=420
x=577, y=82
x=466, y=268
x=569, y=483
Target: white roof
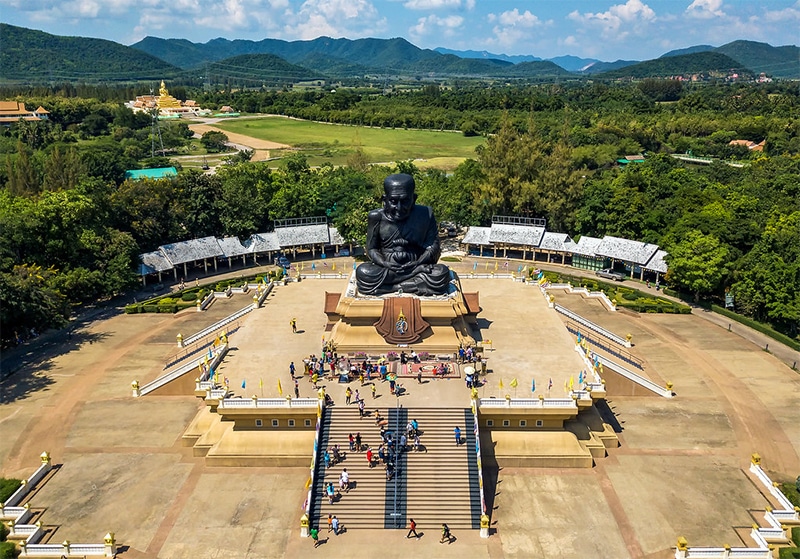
x=560, y=242
x=657, y=263
x=521, y=235
x=190, y=251
x=477, y=236
x=587, y=246
x=265, y=242
x=232, y=246
x=627, y=250
x=152, y=262
x=336, y=238
x=316, y=233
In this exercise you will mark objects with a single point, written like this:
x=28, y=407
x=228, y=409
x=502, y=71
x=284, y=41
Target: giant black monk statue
x=403, y=245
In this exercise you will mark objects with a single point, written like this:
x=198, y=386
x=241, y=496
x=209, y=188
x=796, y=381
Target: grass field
x=333, y=143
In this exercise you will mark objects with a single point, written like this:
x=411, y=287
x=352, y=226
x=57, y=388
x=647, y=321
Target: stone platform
x=353, y=321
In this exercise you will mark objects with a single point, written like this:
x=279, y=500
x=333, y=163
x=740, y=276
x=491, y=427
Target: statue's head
x=398, y=196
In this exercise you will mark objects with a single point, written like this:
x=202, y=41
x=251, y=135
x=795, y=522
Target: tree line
x=71, y=227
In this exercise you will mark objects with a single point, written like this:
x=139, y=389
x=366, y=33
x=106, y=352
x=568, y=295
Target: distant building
x=752, y=146
x=153, y=174
x=167, y=105
x=12, y=111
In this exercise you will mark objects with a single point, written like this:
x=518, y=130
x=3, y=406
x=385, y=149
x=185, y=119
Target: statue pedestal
x=352, y=322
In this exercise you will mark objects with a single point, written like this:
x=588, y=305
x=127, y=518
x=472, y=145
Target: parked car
x=609, y=273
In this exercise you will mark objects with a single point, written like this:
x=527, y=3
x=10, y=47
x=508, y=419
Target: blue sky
x=607, y=30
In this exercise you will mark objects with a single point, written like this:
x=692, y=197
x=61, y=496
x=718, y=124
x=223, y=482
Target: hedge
x=626, y=297
x=174, y=302
x=8, y=550
x=7, y=488
x=759, y=326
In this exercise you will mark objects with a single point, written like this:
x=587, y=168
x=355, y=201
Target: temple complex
x=167, y=105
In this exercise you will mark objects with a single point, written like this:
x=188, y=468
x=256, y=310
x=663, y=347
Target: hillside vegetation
x=27, y=54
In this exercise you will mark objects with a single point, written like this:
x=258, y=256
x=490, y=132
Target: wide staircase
x=437, y=484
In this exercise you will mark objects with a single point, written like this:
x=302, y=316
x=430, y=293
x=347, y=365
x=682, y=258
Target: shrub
x=755, y=325
x=189, y=296
x=150, y=308
x=8, y=550
x=3, y=532
x=133, y=309
x=7, y=488
x=166, y=301
x=168, y=309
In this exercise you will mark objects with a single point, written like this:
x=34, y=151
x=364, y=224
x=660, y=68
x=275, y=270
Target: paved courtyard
x=678, y=471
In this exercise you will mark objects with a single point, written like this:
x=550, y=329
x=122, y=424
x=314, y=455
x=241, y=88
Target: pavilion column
x=229, y=262
x=159, y=276
x=533, y=256
x=313, y=250
x=144, y=280
x=641, y=273
x=563, y=256
x=524, y=253
x=494, y=251
x=205, y=265
x=481, y=250
x=294, y=253
x=215, y=263
x=505, y=251
x=185, y=271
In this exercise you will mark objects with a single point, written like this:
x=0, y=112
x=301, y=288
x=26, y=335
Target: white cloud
x=780, y=16
x=432, y=4
x=434, y=25
x=512, y=27
x=620, y=20
x=705, y=9
x=334, y=18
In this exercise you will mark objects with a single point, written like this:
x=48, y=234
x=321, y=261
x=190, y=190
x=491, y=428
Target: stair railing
x=478, y=452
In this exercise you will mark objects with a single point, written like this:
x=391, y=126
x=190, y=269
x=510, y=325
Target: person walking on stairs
x=347, y=395
x=412, y=529
x=314, y=533
x=335, y=525
x=457, y=432
x=330, y=523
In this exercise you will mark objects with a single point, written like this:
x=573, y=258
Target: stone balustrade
x=776, y=531
x=304, y=523
x=28, y=534
x=565, y=403
x=240, y=403
x=484, y=516
x=217, y=355
x=592, y=326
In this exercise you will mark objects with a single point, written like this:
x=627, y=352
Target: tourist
x=331, y=492
x=412, y=528
x=416, y=442
x=389, y=470
x=293, y=323
x=291, y=369
x=373, y=391
x=327, y=459
x=352, y=442
x=382, y=455
x=347, y=395
x=403, y=442
x=358, y=442
x=445, y=534
x=337, y=456
x=330, y=523
x=361, y=408
x=335, y=525
x=296, y=389
x=358, y=397
x=314, y=533
x=457, y=432
x=369, y=456
x=344, y=481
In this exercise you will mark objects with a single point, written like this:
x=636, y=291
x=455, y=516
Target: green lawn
x=328, y=142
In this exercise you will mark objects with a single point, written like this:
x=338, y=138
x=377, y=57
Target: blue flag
x=533, y=385
x=244, y=383
x=313, y=266
x=475, y=266
x=580, y=378
x=579, y=337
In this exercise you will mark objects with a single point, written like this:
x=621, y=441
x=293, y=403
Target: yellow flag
x=501, y=384
x=261, y=383
x=280, y=390
x=571, y=382
x=334, y=266
x=495, y=265
x=514, y=383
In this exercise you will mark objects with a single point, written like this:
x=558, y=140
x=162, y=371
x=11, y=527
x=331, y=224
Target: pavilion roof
x=521, y=235
x=335, y=236
x=265, y=242
x=560, y=242
x=657, y=263
x=191, y=251
x=232, y=246
x=586, y=246
x=477, y=236
x=627, y=250
x=311, y=234
x=152, y=262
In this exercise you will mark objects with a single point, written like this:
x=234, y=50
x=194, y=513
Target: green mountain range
x=695, y=63
x=27, y=54
x=37, y=56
